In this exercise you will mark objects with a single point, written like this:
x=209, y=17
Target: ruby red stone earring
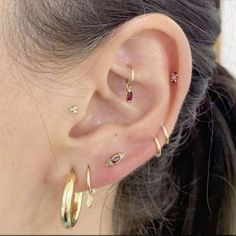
x=115, y=159
x=174, y=78
x=129, y=84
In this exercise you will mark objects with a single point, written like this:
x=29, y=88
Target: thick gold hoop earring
x=158, y=145
x=71, y=202
x=166, y=134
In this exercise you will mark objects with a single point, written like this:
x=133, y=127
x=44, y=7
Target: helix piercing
x=115, y=159
x=158, y=146
x=90, y=191
x=74, y=109
x=129, y=85
x=71, y=202
x=166, y=134
x=174, y=78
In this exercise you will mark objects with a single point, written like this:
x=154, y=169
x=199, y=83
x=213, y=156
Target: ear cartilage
x=115, y=159
x=174, y=78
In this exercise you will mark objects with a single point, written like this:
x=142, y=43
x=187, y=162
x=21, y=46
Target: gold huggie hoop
x=166, y=134
x=158, y=145
x=71, y=202
x=90, y=191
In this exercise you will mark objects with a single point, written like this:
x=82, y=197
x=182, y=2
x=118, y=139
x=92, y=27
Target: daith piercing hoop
x=115, y=159
x=129, y=84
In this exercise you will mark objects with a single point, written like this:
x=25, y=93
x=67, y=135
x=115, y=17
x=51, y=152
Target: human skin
x=41, y=140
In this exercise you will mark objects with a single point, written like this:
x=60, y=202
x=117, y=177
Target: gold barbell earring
x=71, y=202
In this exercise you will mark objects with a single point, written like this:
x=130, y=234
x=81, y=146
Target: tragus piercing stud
x=174, y=78
x=115, y=159
x=74, y=109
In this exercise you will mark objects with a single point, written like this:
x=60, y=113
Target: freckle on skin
x=116, y=134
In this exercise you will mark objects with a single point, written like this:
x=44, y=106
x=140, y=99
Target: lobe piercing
x=90, y=192
x=174, y=78
x=74, y=109
x=115, y=159
x=71, y=202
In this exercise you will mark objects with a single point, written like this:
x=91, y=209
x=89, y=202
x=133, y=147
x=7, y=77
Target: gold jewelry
x=71, y=202
x=166, y=134
x=115, y=159
x=129, y=84
x=174, y=78
x=74, y=109
x=90, y=191
x=158, y=145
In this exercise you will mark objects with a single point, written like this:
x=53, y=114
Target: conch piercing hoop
x=158, y=145
x=115, y=159
x=166, y=134
x=74, y=109
x=129, y=84
x=90, y=191
x=71, y=202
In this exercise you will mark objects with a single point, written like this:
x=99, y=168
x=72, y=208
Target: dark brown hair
x=190, y=189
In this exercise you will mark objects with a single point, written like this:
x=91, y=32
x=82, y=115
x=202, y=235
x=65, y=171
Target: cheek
x=25, y=152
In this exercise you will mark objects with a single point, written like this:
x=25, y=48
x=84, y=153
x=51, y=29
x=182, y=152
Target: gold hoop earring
x=129, y=85
x=71, y=202
x=90, y=191
x=158, y=145
x=166, y=134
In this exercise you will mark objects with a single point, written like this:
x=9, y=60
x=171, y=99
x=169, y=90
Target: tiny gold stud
x=74, y=109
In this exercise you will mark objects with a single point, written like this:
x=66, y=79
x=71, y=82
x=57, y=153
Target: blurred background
x=227, y=42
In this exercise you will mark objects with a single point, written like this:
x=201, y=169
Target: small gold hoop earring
x=166, y=134
x=158, y=145
x=129, y=84
x=71, y=202
x=90, y=191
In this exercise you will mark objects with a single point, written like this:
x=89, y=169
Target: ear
x=155, y=46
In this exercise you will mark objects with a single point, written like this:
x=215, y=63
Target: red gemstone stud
x=174, y=78
x=115, y=159
x=129, y=95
